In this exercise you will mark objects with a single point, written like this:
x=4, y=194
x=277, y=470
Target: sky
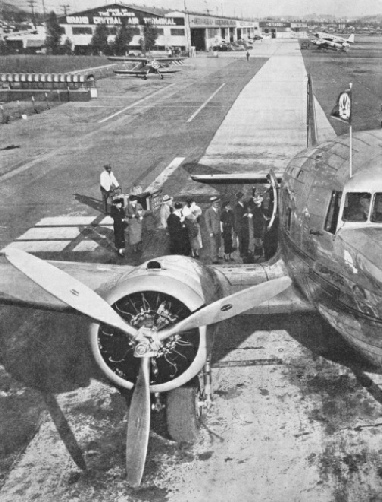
x=245, y=8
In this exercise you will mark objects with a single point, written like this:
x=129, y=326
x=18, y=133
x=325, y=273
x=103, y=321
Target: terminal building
x=281, y=29
x=178, y=30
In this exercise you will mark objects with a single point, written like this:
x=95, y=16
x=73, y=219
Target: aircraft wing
x=17, y=289
x=142, y=72
x=127, y=58
x=235, y=178
x=169, y=60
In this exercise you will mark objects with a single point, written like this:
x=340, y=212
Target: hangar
x=177, y=29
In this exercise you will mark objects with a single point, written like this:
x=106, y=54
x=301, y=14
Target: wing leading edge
x=17, y=289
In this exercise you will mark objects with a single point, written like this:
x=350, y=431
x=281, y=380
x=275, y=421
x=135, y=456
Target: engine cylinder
x=157, y=294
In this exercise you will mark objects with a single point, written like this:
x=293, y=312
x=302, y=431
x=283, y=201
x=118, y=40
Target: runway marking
x=165, y=174
x=49, y=233
x=205, y=103
x=38, y=246
x=65, y=221
x=133, y=104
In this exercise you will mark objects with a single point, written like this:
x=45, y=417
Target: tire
x=182, y=414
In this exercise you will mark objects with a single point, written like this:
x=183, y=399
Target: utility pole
x=65, y=8
x=43, y=9
x=31, y=5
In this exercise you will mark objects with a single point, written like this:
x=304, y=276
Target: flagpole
x=351, y=132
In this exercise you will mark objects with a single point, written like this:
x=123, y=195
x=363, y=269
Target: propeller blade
x=138, y=427
x=67, y=289
x=230, y=306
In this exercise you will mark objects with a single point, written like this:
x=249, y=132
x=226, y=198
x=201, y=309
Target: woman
x=192, y=214
x=227, y=221
x=119, y=224
x=135, y=215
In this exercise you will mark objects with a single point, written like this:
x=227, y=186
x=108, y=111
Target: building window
x=333, y=210
x=160, y=31
x=82, y=30
x=177, y=31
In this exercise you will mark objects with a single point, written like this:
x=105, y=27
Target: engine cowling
x=158, y=293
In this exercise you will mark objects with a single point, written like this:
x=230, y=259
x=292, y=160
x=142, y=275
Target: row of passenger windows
x=358, y=207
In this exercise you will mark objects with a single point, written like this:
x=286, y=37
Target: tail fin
x=311, y=125
x=351, y=39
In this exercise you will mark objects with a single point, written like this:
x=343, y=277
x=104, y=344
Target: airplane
x=151, y=327
x=328, y=41
x=146, y=65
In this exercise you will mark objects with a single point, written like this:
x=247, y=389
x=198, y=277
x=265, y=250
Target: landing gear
x=183, y=414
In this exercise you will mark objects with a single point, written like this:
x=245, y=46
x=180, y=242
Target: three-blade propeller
x=86, y=301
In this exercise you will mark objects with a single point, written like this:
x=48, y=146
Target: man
x=165, y=211
x=179, y=243
x=248, y=54
x=108, y=183
x=241, y=227
x=212, y=218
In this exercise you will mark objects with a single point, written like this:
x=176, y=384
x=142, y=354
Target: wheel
x=182, y=414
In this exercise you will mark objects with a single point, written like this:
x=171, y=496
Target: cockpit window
x=332, y=214
x=376, y=214
x=357, y=206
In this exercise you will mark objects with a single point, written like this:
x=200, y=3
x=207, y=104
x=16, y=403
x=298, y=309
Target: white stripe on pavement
x=165, y=174
x=134, y=104
x=205, y=103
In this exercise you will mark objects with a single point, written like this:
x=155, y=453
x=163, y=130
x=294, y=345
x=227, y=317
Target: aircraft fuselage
x=332, y=251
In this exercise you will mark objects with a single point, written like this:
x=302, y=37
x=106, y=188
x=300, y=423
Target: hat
x=239, y=195
x=118, y=200
x=214, y=199
x=166, y=198
x=178, y=205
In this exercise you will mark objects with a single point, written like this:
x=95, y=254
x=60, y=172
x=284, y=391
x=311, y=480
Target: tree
x=123, y=38
x=53, y=30
x=99, y=39
x=150, y=35
x=68, y=46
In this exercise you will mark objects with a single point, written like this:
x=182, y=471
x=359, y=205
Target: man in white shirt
x=108, y=183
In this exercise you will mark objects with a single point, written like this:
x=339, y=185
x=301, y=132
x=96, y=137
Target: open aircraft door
x=274, y=196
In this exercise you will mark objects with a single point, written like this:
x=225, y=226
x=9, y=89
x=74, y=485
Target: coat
x=212, y=219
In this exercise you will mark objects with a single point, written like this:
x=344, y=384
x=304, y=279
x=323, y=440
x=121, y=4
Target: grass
x=40, y=63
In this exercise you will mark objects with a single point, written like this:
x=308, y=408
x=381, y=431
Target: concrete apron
x=266, y=126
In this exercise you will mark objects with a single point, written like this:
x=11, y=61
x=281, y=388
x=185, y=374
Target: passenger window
x=376, y=214
x=333, y=210
x=357, y=205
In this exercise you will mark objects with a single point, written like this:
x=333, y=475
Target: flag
x=343, y=107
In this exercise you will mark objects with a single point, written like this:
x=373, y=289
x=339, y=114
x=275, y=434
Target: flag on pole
x=343, y=108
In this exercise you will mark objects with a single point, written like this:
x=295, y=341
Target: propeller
x=230, y=306
x=138, y=427
x=67, y=289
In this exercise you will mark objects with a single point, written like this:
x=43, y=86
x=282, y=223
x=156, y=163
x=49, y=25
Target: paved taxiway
x=287, y=424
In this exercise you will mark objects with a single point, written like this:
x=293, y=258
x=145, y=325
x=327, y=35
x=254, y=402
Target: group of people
x=229, y=226
x=182, y=223
x=129, y=216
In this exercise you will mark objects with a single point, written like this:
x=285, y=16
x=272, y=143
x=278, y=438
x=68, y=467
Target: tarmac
x=287, y=423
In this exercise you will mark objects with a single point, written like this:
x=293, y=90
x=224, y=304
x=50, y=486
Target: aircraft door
x=273, y=198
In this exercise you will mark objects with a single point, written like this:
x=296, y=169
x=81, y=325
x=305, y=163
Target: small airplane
x=146, y=65
x=333, y=42
x=151, y=326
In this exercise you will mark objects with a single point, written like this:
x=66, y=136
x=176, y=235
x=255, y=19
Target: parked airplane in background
x=146, y=65
x=328, y=41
